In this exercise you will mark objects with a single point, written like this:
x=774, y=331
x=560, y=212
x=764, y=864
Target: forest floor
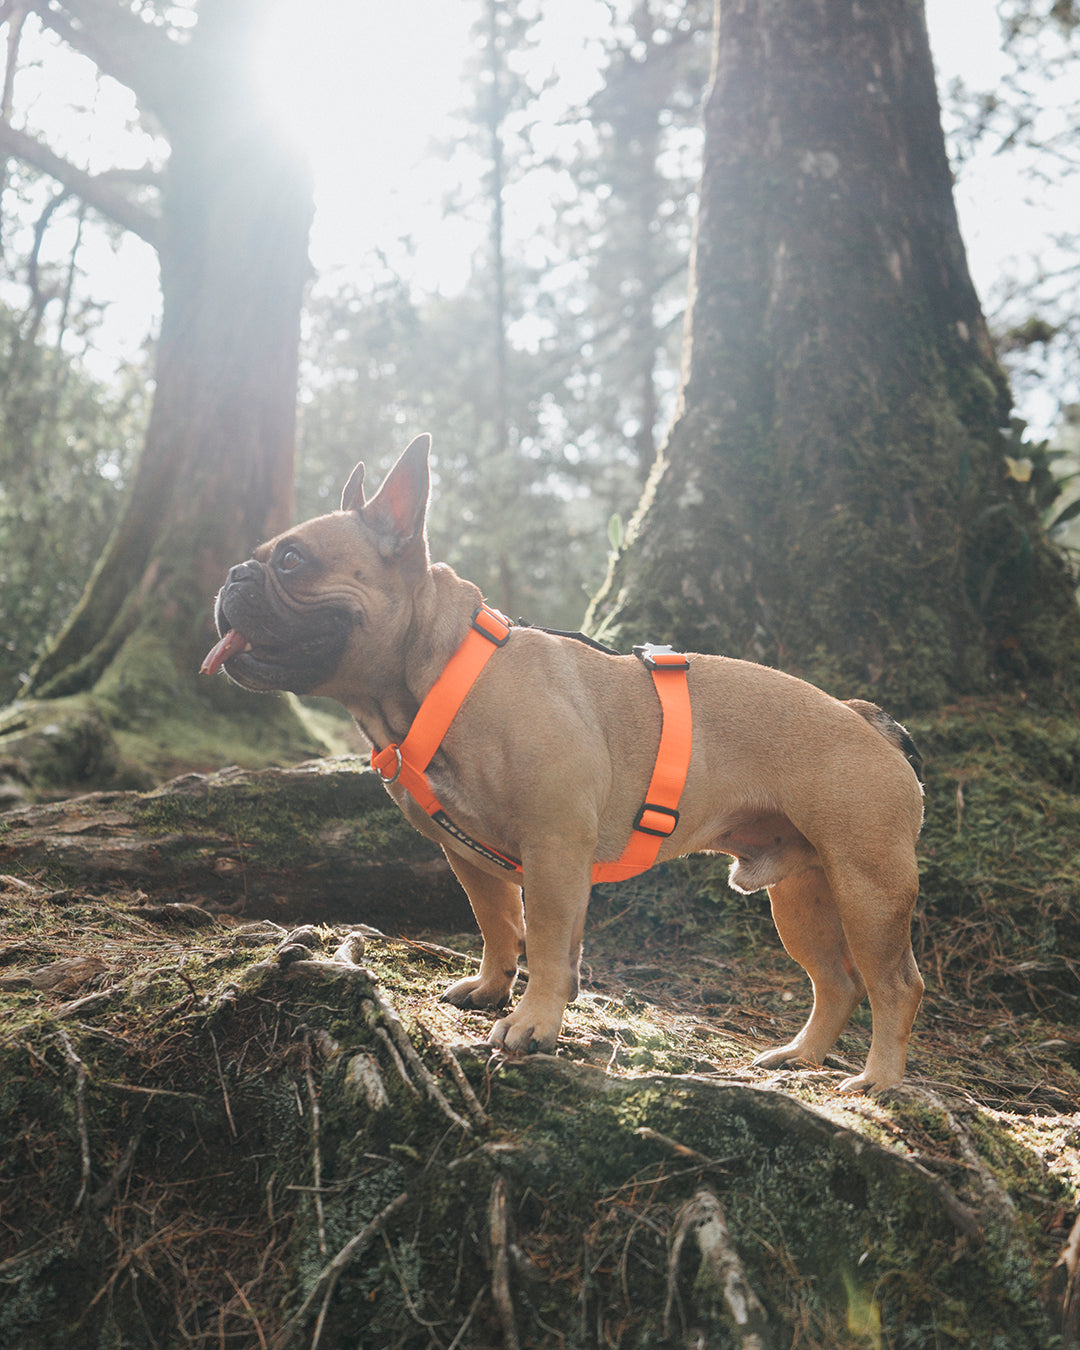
x=233, y=1111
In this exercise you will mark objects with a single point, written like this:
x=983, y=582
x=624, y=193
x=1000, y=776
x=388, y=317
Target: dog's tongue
x=230, y=645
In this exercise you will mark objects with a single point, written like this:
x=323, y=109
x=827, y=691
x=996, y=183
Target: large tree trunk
x=215, y=475
x=834, y=495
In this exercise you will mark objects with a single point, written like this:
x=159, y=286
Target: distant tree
x=835, y=496
x=637, y=176
x=229, y=217
x=379, y=361
x=1031, y=115
x=67, y=444
x=515, y=508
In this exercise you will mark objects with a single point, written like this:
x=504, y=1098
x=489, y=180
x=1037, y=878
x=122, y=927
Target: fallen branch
x=81, y=1080
x=500, y=1264
x=721, y=1274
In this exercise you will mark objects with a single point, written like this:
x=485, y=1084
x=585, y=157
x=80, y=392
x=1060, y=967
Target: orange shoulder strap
x=406, y=763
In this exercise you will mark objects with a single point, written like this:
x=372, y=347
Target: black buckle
x=661, y=656
x=500, y=625
x=662, y=831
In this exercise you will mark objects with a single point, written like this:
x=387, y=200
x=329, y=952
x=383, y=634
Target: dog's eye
x=289, y=559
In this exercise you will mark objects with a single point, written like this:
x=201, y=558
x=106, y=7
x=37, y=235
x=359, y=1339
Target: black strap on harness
x=576, y=637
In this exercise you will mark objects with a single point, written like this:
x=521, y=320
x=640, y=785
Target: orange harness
x=406, y=763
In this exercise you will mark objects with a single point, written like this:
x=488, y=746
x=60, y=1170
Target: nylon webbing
x=407, y=763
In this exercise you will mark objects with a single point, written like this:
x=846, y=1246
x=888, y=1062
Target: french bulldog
x=542, y=764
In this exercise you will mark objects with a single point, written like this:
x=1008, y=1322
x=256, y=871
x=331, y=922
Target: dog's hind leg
x=496, y=902
x=877, y=921
x=808, y=922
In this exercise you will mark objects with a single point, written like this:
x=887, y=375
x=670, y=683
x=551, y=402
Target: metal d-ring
x=397, y=772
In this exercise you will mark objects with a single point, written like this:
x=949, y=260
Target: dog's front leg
x=496, y=902
x=556, y=900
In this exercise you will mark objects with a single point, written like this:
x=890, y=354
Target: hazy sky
x=368, y=87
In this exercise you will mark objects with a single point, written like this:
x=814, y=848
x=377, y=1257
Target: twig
x=331, y=1272
x=721, y=1272
x=477, y=1114
x=401, y=1039
x=224, y=1089
x=681, y=1150
x=123, y=1167
x=468, y=1319
x=998, y=1199
x=1069, y=1263
x=500, y=1265
x=309, y=1078
x=413, y=1310
x=616, y=1046
x=81, y=1080
x=398, y=1062
x=161, y=1237
x=248, y=1309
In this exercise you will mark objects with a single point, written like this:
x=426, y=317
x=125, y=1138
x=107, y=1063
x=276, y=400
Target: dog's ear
x=398, y=510
x=352, y=495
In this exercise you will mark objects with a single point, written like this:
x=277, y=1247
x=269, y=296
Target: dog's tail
x=891, y=729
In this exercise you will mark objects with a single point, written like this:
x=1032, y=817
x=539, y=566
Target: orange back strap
x=407, y=763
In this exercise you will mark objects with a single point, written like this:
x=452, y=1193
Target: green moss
x=279, y=819
x=166, y=720
x=879, y=550
x=144, y=721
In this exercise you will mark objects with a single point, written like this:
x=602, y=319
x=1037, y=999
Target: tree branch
x=92, y=188
x=121, y=45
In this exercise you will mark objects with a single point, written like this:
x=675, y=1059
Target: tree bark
x=321, y=843
x=215, y=475
x=834, y=497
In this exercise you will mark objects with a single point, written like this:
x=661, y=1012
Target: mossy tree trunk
x=834, y=495
x=229, y=218
x=215, y=475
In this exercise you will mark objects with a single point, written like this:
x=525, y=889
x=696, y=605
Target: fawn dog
x=547, y=752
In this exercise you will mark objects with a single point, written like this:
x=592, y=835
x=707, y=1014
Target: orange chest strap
x=659, y=815
x=407, y=763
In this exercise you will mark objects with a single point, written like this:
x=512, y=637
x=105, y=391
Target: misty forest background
x=549, y=380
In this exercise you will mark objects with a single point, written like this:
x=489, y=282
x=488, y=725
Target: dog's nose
x=242, y=573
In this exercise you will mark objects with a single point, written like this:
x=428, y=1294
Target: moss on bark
x=834, y=495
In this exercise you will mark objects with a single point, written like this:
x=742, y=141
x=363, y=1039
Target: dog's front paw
x=863, y=1083
x=525, y=1034
x=477, y=992
x=790, y=1056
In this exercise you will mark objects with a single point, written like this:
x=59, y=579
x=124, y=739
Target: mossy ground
x=144, y=720
x=165, y=1182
